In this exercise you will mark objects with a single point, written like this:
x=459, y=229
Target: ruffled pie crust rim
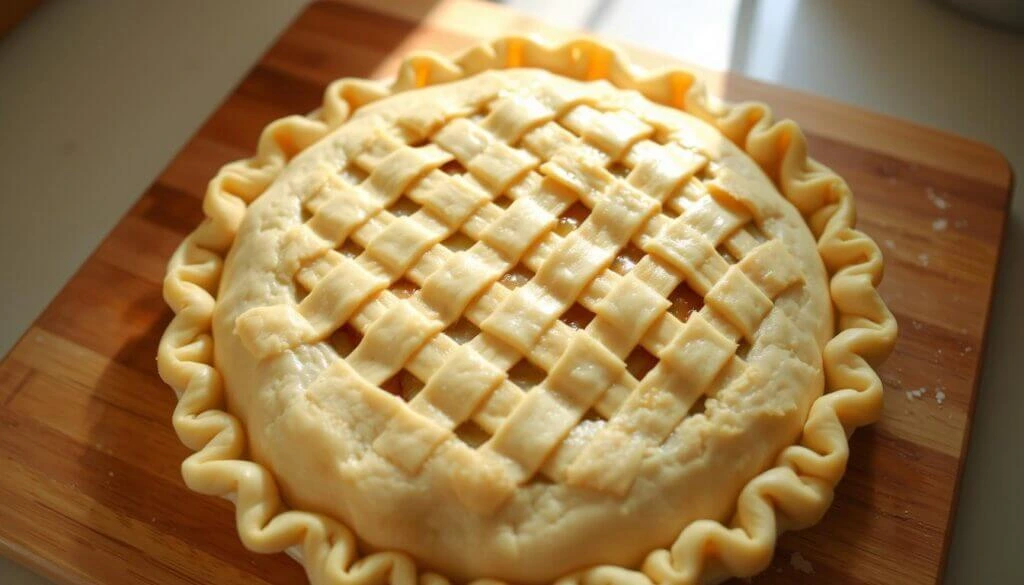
x=792, y=495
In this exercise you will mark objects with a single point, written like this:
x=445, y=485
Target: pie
x=525, y=315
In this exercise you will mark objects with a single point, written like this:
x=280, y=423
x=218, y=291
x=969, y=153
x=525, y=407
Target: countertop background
x=96, y=97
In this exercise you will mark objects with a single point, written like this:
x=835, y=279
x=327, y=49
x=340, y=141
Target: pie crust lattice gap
x=582, y=185
x=792, y=494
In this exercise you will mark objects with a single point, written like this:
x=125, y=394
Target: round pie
x=525, y=315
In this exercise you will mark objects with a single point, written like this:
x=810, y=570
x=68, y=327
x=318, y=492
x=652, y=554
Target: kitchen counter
x=105, y=94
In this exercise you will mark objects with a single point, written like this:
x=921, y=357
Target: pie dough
x=529, y=314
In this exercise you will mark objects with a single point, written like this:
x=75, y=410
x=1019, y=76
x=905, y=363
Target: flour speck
x=940, y=225
x=940, y=396
x=801, y=564
x=923, y=259
x=937, y=200
x=912, y=394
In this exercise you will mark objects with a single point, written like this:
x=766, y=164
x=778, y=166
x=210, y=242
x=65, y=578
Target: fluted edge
x=793, y=494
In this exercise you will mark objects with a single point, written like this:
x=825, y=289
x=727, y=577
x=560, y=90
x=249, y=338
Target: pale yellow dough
x=418, y=246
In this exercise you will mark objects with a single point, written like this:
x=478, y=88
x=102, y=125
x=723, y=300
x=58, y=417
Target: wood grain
x=90, y=484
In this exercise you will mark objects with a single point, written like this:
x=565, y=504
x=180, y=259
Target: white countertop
x=98, y=96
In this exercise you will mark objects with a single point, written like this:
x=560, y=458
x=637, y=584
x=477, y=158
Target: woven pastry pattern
x=661, y=208
x=543, y=154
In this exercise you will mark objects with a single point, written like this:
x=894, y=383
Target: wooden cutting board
x=90, y=490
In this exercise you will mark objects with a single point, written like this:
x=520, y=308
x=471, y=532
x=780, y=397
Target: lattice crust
x=501, y=171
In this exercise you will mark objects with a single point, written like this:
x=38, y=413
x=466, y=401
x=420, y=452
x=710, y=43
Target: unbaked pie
x=527, y=314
